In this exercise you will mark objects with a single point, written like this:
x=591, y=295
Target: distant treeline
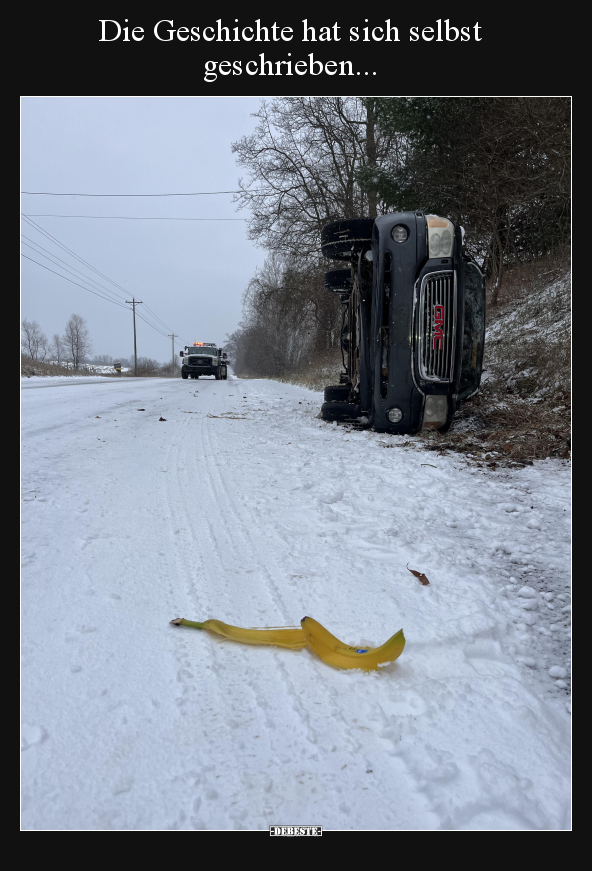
x=498, y=166
x=73, y=350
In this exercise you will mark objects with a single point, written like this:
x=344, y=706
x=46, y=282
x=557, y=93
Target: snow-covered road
x=242, y=506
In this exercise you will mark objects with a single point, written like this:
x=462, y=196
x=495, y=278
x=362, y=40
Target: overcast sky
x=191, y=274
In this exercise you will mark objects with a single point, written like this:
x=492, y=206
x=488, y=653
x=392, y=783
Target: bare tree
x=33, y=341
x=288, y=318
x=56, y=348
x=148, y=366
x=171, y=369
x=76, y=340
x=42, y=347
x=303, y=160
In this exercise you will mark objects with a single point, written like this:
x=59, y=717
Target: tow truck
x=204, y=358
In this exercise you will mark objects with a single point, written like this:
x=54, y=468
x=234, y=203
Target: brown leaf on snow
x=162, y=418
x=419, y=575
x=98, y=415
x=140, y=409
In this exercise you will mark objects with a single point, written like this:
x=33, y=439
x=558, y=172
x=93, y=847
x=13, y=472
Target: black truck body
x=414, y=321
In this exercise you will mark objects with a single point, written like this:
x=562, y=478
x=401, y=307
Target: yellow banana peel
x=310, y=634
x=334, y=652
x=283, y=636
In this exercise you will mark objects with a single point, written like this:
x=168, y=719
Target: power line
x=157, y=317
x=130, y=218
x=73, y=253
x=155, y=328
x=65, y=266
x=165, y=335
x=90, y=266
x=72, y=282
x=193, y=194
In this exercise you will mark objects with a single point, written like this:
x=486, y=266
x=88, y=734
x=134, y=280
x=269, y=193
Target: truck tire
x=217, y=375
x=183, y=374
x=341, y=239
x=337, y=393
x=339, y=281
x=340, y=411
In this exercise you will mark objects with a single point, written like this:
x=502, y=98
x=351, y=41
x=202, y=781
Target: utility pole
x=173, y=336
x=134, y=302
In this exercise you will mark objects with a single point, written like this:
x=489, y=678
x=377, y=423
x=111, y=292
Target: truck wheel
x=217, y=375
x=341, y=239
x=340, y=411
x=339, y=281
x=183, y=374
x=337, y=393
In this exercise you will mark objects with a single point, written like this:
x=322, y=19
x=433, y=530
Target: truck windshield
x=210, y=352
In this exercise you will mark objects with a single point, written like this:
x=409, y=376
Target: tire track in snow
x=240, y=540
x=223, y=496
x=335, y=713
x=201, y=674
x=231, y=679
x=241, y=529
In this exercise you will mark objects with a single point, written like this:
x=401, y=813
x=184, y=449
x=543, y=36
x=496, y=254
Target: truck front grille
x=437, y=326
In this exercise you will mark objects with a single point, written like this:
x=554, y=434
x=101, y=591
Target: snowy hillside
x=523, y=410
x=528, y=341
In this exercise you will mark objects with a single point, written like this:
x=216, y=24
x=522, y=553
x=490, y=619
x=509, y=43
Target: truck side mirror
x=181, y=354
x=225, y=356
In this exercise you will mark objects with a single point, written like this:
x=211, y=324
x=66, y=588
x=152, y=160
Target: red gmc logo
x=438, y=324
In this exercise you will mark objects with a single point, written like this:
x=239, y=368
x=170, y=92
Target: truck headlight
x=214, y=361
x=400, y=233
x=446, y=243
x=434, y=244
x=435, y=412
x=440, y=236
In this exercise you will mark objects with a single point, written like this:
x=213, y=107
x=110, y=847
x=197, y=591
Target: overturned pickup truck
x=413, y=324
